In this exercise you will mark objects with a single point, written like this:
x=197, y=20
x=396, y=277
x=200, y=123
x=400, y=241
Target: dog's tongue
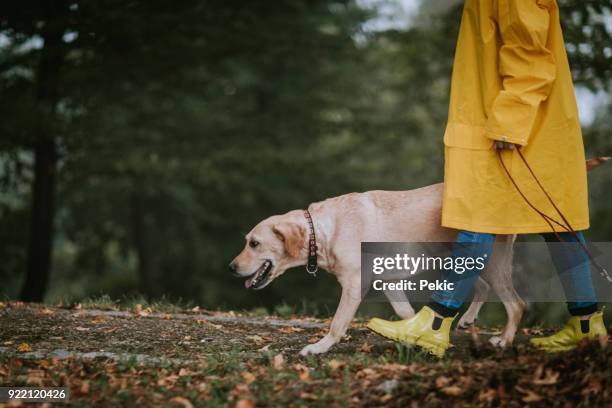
x=249, y=282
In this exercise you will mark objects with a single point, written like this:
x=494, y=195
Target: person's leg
x=467, y=245
x=572, y=265
x=427, y=329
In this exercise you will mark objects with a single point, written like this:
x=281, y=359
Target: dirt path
x=219, y=359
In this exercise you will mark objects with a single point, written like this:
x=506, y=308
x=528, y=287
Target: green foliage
x=589, y=41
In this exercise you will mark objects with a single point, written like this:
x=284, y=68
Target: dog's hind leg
x=514, y=306
x=499, y=276
x=400, y=303
x=349, y=302
x=481, y=294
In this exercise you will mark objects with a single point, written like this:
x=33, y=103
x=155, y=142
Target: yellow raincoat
x=512, y=82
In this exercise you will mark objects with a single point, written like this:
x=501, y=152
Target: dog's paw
x=498, y=341
x=316, y=348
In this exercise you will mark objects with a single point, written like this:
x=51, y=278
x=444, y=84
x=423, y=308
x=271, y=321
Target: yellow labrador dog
x=281, y=242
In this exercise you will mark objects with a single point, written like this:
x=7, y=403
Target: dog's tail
x=596, y=162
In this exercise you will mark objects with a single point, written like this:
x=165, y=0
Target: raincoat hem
x=508, y=229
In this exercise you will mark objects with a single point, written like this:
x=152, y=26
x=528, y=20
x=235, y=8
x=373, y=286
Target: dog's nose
x=233, y=267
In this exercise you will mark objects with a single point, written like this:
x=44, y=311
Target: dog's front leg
x=349, y=302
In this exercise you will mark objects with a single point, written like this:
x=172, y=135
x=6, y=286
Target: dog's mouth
x=260, y=276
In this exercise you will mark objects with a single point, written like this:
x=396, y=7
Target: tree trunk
x=45, y=157
x=41, y=222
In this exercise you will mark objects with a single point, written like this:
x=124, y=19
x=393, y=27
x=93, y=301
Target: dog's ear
x=292, y=235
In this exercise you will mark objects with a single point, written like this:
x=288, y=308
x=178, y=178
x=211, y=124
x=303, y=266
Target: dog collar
x=311, y=266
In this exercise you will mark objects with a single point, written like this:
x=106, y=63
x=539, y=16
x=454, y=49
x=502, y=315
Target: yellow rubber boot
x=571, y=334
x=418, y=330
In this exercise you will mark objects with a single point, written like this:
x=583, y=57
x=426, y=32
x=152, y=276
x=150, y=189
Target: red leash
x=549, y=220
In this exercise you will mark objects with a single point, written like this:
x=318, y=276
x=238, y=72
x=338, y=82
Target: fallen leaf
x=195, y=309
x=366, y=372
x=168, y=381
x=395, y=367
x=530, y=395
x=240, y=389
x=84, y=389
x=82, y=329
x=264, y=348
x=365, y=347
x=487, y=395
x=452, y=390
x=278, y=362
x=303, y=372
x=182, y=401
x=204, y=321
x=140, y=311
x=255, y=338
x=183, y=372
x=334, y=364
x=551, y=377
x=290, y=329
x=47, y=311
x=248, y=377
x=307, y=396
x=442, y=381
x=24, y=348
x=244, y=403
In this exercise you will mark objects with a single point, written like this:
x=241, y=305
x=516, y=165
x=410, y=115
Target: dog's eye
x=253, y=243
